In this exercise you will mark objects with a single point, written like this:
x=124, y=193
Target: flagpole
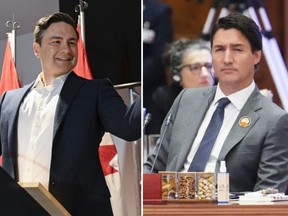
x=14, y=25
x=80, y=9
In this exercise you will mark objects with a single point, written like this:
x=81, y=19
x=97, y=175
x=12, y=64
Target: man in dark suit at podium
x=50, y=130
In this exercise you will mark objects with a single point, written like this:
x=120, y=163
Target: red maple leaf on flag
x=106, y=154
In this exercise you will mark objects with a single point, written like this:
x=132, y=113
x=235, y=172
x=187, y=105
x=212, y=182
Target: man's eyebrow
x=55, y=37
x=59, y=38
x=233, y=45
x=237, y=44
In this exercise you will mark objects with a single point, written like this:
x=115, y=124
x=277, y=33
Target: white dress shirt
x=35, y=130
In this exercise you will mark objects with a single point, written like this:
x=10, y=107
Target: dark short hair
x=44, y=23
x=242, y=23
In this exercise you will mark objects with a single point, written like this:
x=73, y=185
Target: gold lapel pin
x=244, y=121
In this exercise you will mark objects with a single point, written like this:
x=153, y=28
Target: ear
x=36, y=48
x=257, y=56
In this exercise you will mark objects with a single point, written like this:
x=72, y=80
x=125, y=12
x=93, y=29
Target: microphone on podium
x=147, y=120
x=168, y=121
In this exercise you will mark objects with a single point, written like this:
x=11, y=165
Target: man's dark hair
x=44, y=23
x=242, y=23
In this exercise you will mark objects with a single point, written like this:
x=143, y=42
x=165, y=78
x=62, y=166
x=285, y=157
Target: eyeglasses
x=196, y=68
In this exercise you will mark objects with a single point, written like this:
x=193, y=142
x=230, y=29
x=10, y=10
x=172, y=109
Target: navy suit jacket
x=85, y=110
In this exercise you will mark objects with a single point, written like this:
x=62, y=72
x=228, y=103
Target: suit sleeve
x=273, y=166
x=117, y=118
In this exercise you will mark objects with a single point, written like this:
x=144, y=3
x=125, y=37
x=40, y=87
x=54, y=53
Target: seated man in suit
x=253, y=137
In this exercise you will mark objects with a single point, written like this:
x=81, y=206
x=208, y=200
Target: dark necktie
x=201, y=157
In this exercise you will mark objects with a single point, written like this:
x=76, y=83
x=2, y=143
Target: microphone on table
x=168, y=121
x=147, y=120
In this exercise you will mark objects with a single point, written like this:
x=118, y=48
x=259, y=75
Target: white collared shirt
x=232, y=110
x=35, y=130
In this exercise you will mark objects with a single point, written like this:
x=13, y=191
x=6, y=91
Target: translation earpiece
x=176, y=76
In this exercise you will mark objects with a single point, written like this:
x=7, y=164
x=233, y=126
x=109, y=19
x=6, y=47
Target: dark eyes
x=58, y=42
x=233, y=49
x=74, y=43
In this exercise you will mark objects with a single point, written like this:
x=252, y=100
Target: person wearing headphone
x=190, y=62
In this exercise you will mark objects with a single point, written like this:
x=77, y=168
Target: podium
x=29, y=200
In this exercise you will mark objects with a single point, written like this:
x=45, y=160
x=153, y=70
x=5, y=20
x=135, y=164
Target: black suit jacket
x=85, y=110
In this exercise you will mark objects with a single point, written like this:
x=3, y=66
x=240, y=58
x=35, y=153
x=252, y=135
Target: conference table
x=213, y=208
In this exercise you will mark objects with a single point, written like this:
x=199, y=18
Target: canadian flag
x=110, y=166
x=107, y=149
x=9, y=77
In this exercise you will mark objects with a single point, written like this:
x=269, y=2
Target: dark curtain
x=113, y=37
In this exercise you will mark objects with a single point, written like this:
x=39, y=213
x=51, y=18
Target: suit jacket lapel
x=237, y=132
x=16, y=102
x=12, y=118
x=193, y=122
x=68, y=92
